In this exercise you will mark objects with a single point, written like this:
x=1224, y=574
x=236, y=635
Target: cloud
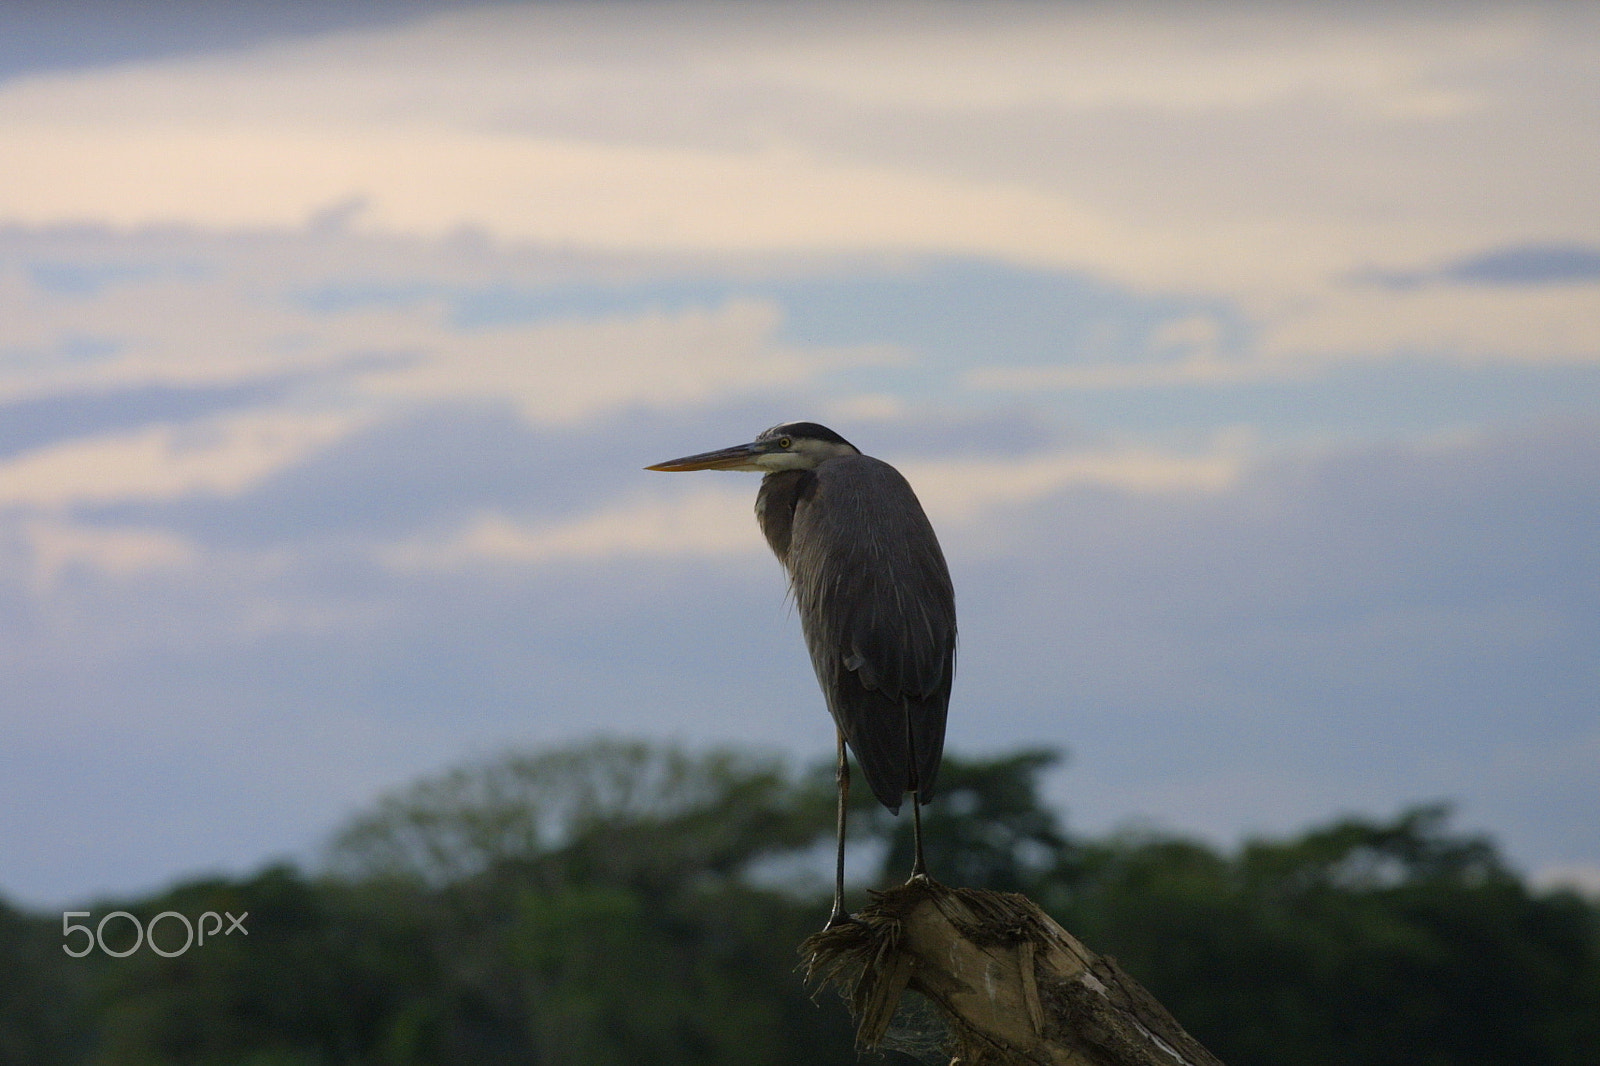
x=716, y=522
x=1469, y=325
x=223, y=456
x=709, y=522
x=157, y=327
x=1143, y=57
x=1354, y=328
x=26, y=425
x=347, y=451
x=1353, y=630
x=575, y=370
x=53, y=548
x=1227, y=147
x=256, y=319
x=1531, y=264
x=965, y=490
x=38, y=36
x=1201, y=369
x=1521, y=264
x=564, y=192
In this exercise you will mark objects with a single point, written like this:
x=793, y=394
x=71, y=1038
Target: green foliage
x=614, y=977
x=614, y=903
x=1362, y=943
x=592, y=906
x=42, y=999
x=986, y=828
x=322, y=975
x=612, y=812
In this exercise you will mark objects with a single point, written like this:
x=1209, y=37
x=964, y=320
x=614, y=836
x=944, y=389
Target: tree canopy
x=620, y=902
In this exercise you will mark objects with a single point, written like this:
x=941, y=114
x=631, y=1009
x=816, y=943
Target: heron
x=875, y=602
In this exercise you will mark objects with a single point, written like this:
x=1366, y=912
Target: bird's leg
x=842, y=777
x=919, y=867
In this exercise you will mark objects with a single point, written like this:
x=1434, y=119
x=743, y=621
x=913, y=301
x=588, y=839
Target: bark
x=1013, y=986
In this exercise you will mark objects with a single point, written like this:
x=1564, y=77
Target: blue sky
x=1247, y=360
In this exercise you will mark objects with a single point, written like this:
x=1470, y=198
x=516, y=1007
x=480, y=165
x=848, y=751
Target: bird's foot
x=839, y=917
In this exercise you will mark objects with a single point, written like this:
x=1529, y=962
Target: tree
x=43, y=1006
x=622, y=902
x=987, y=828
x=1364, y=942
x=322, y=975
x=612, y=812
x=597, y=901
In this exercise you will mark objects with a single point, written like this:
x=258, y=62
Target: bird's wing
x=878, y=611
x=870, y=581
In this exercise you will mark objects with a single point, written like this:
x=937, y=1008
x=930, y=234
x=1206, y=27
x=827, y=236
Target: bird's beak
x=739, y=457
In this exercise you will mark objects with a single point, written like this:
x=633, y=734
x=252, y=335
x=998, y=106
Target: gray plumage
x=877, y=609
x=875, y=602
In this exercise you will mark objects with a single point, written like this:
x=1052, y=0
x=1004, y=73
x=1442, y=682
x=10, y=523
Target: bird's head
x=791, y=446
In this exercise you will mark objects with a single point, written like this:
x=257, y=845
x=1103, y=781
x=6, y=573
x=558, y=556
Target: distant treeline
x=621, y=904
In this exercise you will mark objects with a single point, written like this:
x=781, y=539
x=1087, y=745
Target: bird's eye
x=784, y=442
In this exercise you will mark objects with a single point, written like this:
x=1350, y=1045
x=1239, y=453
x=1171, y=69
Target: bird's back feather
x=877, y=608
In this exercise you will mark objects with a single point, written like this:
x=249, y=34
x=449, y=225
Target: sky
x=1246, y=358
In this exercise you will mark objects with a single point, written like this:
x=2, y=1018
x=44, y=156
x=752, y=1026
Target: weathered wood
x=1012, y=984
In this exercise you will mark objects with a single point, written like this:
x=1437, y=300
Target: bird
x=876, y=605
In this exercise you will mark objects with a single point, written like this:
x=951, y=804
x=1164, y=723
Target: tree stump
x=1013, y=985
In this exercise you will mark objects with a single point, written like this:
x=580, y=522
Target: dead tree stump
x=1013, y=985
